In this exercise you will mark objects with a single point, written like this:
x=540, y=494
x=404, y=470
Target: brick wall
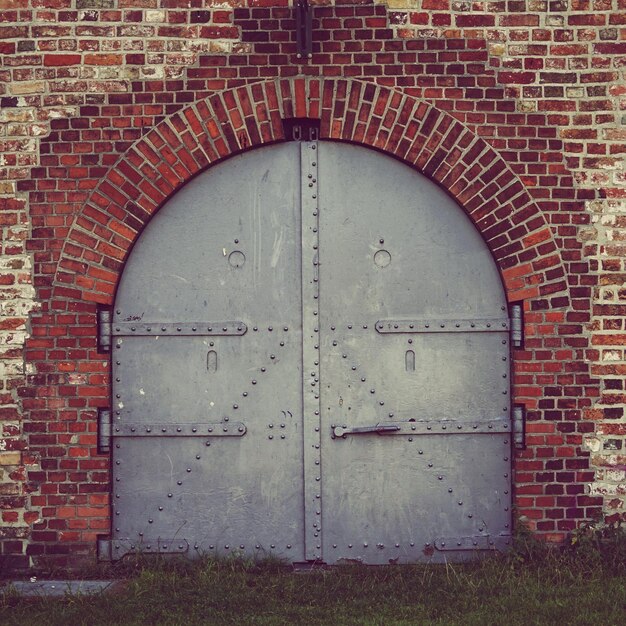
x=529, y=93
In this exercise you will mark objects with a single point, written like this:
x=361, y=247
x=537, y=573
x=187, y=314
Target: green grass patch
x=584, y=583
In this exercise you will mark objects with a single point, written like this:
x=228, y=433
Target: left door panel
x=207, y=357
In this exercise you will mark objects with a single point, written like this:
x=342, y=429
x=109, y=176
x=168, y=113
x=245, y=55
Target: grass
x=582, y=584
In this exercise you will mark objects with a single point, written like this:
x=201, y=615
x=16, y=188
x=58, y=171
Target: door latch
x=342, y=431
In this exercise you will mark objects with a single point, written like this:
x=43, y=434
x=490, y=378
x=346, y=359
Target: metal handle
x=342, y=431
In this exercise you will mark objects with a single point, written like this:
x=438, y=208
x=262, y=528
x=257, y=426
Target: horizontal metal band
x=492, y=325
x=117, y=548
x=477, y=542
x=179, y=328
x=434, y=427
x=222, y=429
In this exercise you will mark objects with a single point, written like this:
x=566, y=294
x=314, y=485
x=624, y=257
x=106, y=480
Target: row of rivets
x=310, y=349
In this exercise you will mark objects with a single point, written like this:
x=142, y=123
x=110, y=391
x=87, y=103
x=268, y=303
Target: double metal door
x=310, y=360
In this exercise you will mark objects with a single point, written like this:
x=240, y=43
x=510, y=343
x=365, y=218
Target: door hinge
x=103, y=548
x=113, y=549
x=104, y=431
x=104, y=329
x=476, y=542
x=517, y=325
x=519, y=426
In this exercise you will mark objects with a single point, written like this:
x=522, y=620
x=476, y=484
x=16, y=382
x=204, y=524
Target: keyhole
x=409, y=361
x=211, y=361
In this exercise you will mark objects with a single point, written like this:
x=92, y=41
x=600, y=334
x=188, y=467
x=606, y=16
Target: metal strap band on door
x=311, y=351
x=221, y=429
x=443, y=326
x=185, y=329
x=438, y=427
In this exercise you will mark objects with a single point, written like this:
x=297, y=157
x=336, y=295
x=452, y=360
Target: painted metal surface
x=395, y=250
x=356, y=409
x=227, y=247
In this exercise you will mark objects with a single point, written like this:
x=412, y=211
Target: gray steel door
x=310, y=359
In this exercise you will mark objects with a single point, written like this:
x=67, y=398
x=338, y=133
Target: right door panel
x=414, y=369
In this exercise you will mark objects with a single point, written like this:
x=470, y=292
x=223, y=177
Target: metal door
x=414, y=369
x=207, y=346
x=310, y=359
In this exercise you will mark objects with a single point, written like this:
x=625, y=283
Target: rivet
x=188, y=469
x=255, y=328
x=365, y=544
x=390, y=414
x=449, y=489
x=208, y=443
x=150, y=521
x=254, y=382
x=241, y=546
x=163, y=430
x=263, y=369
x=410, y=438
x=382, y=403
x=179, y=482
x=160, y=508
x=420, y=452
x=235, y=406
x=169, y=495
x=194, y=430
x=440, y=477
x=270, y=437
x=226, y=546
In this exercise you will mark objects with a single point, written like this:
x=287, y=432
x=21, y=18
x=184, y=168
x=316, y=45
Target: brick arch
x=221, y=125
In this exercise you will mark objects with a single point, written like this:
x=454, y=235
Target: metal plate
x=226, y=247
x=396, y=251
x=367, y=325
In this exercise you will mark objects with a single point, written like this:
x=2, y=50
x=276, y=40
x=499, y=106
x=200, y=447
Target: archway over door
x=311, y=359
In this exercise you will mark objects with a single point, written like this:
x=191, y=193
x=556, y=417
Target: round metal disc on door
x=310, y=360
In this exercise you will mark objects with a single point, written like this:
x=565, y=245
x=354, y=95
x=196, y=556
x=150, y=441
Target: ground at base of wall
x=529, y=585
